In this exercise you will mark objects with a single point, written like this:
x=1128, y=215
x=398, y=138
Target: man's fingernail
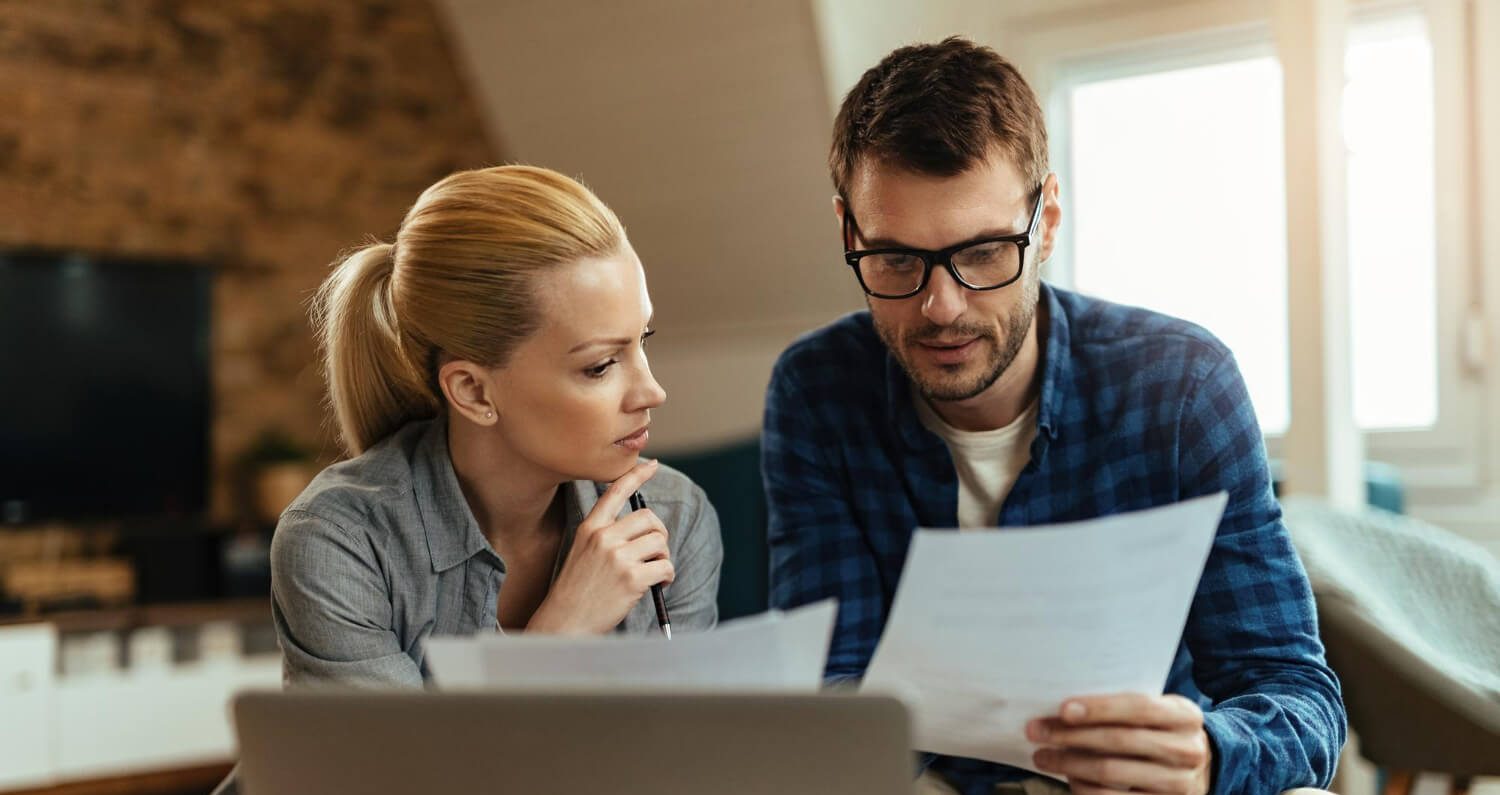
x=1037, y=729
x=1073, y=711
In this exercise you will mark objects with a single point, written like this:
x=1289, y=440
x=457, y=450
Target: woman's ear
x=471, y=390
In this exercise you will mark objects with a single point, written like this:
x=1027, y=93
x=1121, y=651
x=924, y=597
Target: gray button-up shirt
x=382, y=552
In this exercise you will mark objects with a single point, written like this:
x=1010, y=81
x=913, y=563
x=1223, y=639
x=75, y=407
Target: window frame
x=1060, y=52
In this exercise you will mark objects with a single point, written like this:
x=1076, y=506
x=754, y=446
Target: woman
x=487, y=370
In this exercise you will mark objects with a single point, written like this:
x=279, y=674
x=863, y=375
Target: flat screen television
x=104, y=387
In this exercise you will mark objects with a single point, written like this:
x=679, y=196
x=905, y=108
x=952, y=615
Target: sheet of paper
x=989, y=630
x=775, y=651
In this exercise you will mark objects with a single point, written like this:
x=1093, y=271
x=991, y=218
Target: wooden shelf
x=182, y=781
x=249, y=610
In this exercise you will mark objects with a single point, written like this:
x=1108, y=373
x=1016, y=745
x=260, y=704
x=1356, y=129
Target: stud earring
x=489, y=415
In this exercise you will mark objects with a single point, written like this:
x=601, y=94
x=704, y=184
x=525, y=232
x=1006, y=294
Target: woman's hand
x=612, y=564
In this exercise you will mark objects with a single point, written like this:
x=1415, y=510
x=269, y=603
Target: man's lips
x=958, y=343
x=949, y=351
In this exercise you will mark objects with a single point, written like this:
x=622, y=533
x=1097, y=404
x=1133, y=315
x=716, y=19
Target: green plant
x=274, y=446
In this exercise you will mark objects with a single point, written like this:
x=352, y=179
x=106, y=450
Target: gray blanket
x=1430, y=590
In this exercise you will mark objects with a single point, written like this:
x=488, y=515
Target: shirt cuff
x=1228, y=739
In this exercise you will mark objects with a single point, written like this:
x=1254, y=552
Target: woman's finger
x=614, y=498
x=656, y=572
x=630, y=527
x=651, y=546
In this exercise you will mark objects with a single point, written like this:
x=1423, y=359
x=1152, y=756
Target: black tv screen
x=104, y=388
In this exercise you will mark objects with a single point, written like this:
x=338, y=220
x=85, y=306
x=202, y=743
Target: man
x=972, y=394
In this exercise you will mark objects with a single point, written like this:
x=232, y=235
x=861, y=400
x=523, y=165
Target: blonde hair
x=456, y=282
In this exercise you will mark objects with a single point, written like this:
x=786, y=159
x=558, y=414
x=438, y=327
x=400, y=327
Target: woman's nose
x=648, y=393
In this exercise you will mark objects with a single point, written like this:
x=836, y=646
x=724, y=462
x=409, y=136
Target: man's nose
x=944, y=299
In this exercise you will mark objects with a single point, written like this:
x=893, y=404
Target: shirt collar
x=1056, y=375
x=1057, y=364
x=453, y=536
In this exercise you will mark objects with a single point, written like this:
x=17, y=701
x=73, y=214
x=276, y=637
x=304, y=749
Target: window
x=1178, y=204
x=1388, y=134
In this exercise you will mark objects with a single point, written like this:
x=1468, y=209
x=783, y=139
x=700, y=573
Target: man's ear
x=839, y=208
x=471, y=390
x=1051, y=217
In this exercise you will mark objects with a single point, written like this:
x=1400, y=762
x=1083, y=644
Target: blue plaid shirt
x=1136, y=410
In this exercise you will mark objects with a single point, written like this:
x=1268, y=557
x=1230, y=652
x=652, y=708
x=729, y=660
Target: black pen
x=638, y=503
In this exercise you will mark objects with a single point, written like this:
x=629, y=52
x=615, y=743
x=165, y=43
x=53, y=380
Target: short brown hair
x=939, y=109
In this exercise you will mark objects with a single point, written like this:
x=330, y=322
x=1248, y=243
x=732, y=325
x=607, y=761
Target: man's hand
x=1125, y=743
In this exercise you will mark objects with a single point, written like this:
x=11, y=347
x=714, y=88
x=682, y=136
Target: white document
x=775, y=651
x=990, y=630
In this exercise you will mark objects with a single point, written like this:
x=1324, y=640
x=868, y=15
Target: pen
x=638, y=503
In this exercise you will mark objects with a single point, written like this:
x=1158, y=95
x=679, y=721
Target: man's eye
x=896, y=262
x=982, y=254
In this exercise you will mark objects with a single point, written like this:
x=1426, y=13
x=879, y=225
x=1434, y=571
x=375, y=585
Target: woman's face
x=575, y=398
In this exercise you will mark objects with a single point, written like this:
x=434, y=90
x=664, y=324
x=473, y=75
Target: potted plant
x=278, y=468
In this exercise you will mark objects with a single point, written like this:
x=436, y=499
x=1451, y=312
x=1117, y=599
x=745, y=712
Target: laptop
x=384, y=743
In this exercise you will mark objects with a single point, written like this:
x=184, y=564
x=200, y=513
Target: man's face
x=953, y=342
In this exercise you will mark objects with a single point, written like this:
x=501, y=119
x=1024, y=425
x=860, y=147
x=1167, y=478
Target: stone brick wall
x=260, y=137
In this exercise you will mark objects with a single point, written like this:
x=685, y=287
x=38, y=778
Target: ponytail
x=459, y=282
x=372, y=385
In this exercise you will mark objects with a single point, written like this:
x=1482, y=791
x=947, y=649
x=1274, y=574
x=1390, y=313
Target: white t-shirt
x=988, y=462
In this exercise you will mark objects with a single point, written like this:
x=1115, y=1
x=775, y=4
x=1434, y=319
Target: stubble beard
x=948, y=382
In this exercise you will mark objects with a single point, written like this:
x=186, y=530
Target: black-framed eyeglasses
x=985, y=264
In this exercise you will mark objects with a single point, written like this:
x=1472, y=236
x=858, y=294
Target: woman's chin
x=611, y=468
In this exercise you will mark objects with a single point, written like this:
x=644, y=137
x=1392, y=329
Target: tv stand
x=77, y=684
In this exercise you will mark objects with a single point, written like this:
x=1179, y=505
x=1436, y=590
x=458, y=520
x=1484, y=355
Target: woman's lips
x=950, y=354
x=635, y=442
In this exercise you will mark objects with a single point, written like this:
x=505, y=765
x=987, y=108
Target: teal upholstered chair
x=730, y=475
x=1383, y=487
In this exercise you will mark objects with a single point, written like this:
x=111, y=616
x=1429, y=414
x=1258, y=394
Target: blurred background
x=1316, y=181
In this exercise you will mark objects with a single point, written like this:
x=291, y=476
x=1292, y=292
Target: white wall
x=705, y=126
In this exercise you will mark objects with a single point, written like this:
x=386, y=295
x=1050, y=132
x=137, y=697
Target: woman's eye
x=598, y=370
x=649, y=333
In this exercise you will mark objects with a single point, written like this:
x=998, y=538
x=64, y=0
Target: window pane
x=1179, y=206
x=1388, y=121
x=1206, y=143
